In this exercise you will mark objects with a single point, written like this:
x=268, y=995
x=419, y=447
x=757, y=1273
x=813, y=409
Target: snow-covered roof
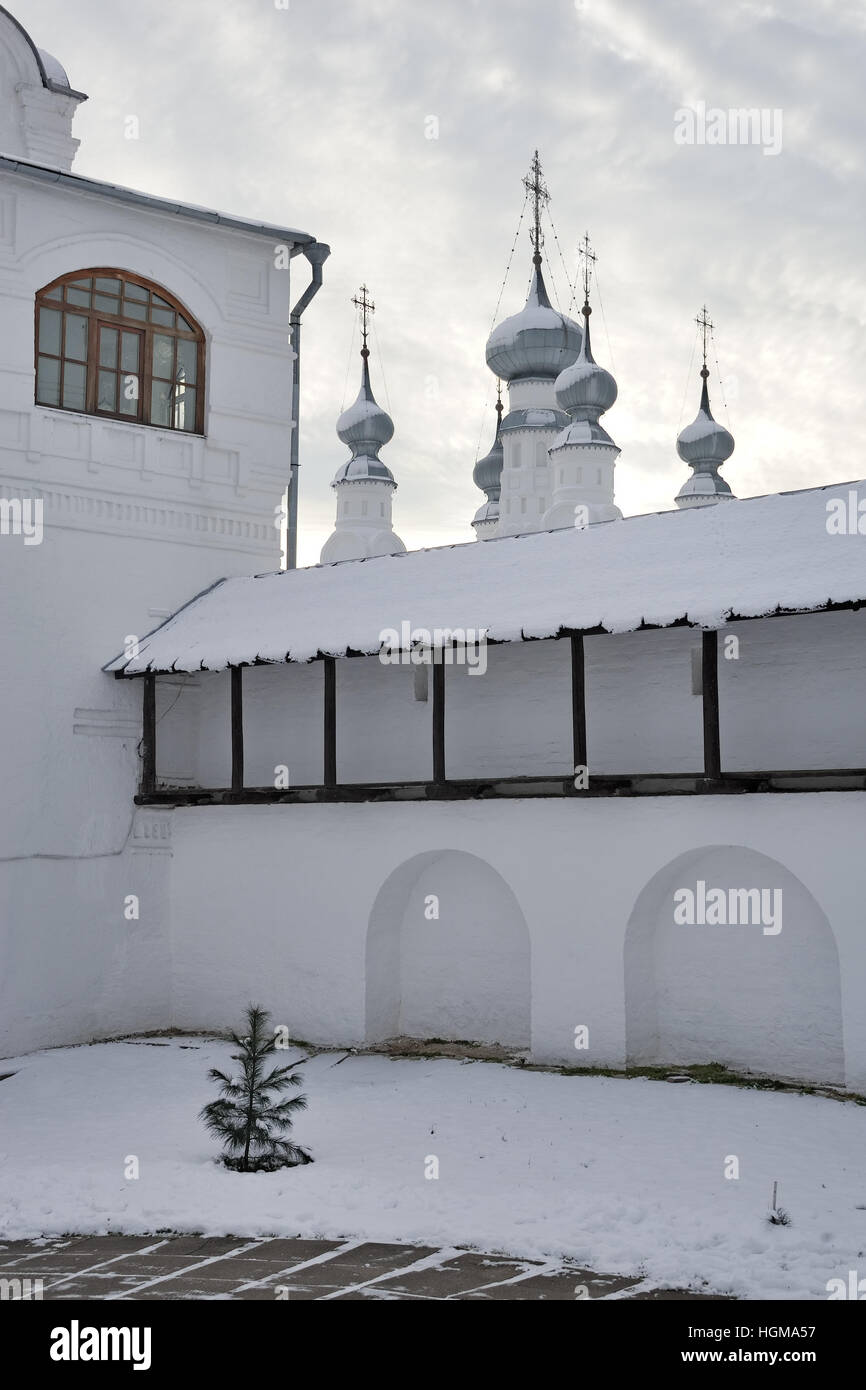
x=704, y=566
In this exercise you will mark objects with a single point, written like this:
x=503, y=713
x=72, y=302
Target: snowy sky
x=316, y=116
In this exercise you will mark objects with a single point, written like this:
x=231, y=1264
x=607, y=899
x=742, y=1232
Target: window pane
x=83, y=284
x=108, y=347
x=106, y=397
x=131, y=291
x=48, y=381
x=160, y=397
x=130, y=388
x=106, y=303
x=129, y=352
x=56, y=293
x=187, y=353
x=107, y=286
x=163, y=356
x=134, y=311
x=74, y=380
x=81, y=298
x=184, y=410
x=183, y=325
x=76, y=337
x=164, y=317
x=163, y=303
x=49, y=331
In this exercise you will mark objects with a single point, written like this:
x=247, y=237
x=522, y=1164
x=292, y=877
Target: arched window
x=110, y=343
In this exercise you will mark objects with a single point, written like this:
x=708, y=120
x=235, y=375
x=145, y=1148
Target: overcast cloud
x=316, y=117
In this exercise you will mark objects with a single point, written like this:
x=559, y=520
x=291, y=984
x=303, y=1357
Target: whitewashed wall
x=318, y=912
x=137, y=521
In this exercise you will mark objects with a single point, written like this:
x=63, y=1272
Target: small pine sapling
x=250, y=1118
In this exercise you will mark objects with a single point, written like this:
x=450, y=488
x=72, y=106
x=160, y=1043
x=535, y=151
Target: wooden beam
x=330, y=724
x=578, y=701
x=148, y=736
x=710, y=686
x=439, y=718
x=237, y=728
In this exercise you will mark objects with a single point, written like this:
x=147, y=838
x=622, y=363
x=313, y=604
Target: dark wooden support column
x=710, y=687
x=438, y=717
x=237, y=728
x=148, y=736
x=578, y=700
x=330, y=726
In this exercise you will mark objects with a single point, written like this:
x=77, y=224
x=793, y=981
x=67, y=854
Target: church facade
x=594, y=792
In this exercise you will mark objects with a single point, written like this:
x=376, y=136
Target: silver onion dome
x=487, y=473
x=704, y=445
x=536, y=342
x=585, y=389
x=365, y=427
x=705, y=440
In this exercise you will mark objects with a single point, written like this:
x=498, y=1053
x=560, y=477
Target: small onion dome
x=585, y=389
x=487, y=473
x=537, y=342
x=705, y=440
x=365, y=426
x=704, y=445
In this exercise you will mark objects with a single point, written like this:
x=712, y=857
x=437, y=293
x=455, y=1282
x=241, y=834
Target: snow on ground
x=624, y=1176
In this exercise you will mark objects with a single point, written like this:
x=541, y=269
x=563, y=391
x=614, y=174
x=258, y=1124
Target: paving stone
x=106, y=1247
x=200, y=1246
x=284, y=1251
x=454, y=1276
x=562, y=1286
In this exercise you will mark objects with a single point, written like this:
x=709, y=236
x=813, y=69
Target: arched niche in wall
x=758, y=990
x=463, y=974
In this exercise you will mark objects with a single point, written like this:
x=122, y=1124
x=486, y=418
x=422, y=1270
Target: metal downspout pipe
x=316, y=253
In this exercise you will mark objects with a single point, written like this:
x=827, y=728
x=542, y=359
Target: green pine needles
x=250, y=1118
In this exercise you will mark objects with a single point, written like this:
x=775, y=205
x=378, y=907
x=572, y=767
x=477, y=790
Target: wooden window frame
x=146, y=328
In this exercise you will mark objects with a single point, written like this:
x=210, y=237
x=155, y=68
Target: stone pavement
x=229, y=1267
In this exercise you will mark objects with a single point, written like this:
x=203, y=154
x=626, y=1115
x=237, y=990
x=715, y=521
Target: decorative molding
x=79, y=510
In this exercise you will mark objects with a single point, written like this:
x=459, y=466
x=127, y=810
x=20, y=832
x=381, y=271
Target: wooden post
x=237, y=728
x=148, y=736
x=438, y=716
x=578, y=701
x=710, y=686
x=330, y=726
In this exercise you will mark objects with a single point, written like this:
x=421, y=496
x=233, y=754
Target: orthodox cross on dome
x=705, y=324
x=588, y=259
x=367, y=307
x=498, y=405
x=537, y=190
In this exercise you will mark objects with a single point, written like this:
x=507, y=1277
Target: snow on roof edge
x=633, y=571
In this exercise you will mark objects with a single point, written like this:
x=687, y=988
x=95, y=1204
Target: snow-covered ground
x=624, y=1176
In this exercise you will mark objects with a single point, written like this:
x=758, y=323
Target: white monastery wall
x=137, y=520
x=569, y=903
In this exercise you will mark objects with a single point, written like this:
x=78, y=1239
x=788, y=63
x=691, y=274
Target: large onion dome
x=537, y=342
